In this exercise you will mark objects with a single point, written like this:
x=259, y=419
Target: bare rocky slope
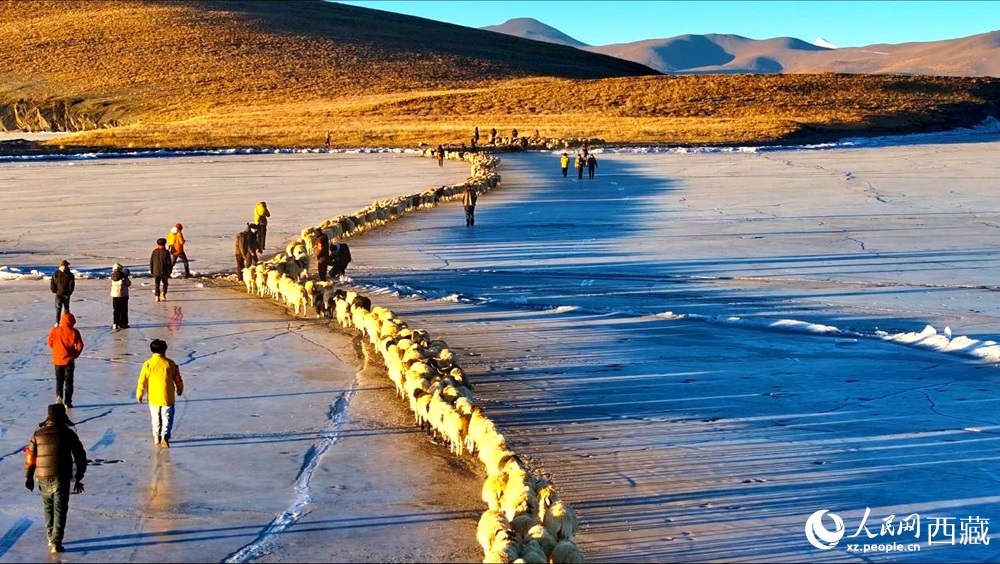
x=104, y=63
x=239, y=73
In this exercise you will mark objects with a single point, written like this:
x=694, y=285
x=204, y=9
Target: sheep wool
x=566, y=552
x=560, y=521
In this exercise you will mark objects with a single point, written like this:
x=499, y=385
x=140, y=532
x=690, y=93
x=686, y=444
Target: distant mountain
x=977, y=55
x=530, y=28
x=711, y=53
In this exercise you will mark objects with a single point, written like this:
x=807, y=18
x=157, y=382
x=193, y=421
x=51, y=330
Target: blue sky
x=845, y=24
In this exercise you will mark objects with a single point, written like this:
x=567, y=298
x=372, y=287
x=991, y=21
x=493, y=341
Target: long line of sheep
x=525, y=520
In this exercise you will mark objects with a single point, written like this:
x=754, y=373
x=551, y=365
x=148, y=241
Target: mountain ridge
x=974, y=55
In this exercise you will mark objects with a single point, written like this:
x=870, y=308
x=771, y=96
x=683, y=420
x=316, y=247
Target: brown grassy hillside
x=284, y=73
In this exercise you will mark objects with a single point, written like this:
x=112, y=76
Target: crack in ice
x=268, y=538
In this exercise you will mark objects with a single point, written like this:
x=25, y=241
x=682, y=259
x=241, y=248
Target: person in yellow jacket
x=260, y=215
x=175, y=244
x=162, y=377
x=564, y=163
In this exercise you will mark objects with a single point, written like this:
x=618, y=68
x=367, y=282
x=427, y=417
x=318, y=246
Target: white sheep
x=490, y=523
x=560, y=521
x=493, y=488
x=248, y=279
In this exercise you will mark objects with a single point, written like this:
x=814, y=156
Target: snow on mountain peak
x=820, y=42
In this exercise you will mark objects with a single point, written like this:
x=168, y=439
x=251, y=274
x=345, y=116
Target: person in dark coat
x=469, y=203
x=440, y=155
x=247, y=246
x=321, y=250
x=341, y=258
x=493, y=136
x=591, y=165
x=62, y=284
x=51, y=453
x=160, y=266
x=578, y=164
x=476, y=135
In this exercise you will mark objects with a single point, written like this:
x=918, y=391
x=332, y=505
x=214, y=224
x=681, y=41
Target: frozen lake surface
x=692, y=346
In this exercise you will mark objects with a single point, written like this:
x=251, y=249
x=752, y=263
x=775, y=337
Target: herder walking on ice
x=67, y=345
x=162, y=377
x=120, y=283
x=160, y=266
x=175, y=244
x=469, y=203
x=62, y=285
x=246, y=248
x=49, y=458
x=260, y=215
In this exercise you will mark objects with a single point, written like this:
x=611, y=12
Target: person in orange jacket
x=175, y=244
x=67, y=345
x=163, y=379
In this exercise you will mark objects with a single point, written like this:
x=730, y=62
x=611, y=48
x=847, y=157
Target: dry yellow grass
x=283, y=74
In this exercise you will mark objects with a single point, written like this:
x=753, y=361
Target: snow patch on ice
x=928, y=338
x=167, y=153
x=14, y=273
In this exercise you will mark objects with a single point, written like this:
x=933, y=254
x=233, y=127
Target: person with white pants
x=163, y=379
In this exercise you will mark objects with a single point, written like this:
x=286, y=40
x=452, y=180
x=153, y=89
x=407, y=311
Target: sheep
x=272, y=283
x=531, y=552
x=465, y=406
x=546, y=495
x=362, y=302
x=436, y=412
x=310, y=287
x=458, y=375
x=519, y=499
x=456, y=427
x=413, y=354
x=490, y=523
x=566, y=552
x=493, y=456
x=522, y=523
x=294, y=269
x=343, y=313
x=422, y=403
x=295, y=297
x=452, y=392
x=560, y=521
x=476, y=423
x=493, y=489
x=502, y=553
x=260, y=279
x=544, y=538
x=248, y=278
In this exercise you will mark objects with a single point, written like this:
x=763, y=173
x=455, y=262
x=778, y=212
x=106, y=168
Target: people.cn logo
x=818, y=535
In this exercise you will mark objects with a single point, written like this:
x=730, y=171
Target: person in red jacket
x=66, y=344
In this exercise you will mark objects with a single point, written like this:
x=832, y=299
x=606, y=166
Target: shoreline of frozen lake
x=680, y=439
